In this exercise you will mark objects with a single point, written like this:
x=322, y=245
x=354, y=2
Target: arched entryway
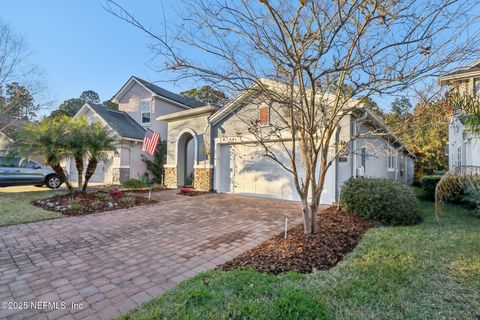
x=186, y=157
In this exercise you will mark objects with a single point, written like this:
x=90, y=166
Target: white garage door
x=244, y=169
x=98, y=176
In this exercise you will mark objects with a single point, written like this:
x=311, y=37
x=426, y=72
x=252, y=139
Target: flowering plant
x=185, y=190
x=115, y=192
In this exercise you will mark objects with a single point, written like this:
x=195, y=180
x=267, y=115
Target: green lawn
x=428, y=271
x=16, y=208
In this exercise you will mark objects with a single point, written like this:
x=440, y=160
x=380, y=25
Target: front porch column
x=171, y=177
x=203, y=178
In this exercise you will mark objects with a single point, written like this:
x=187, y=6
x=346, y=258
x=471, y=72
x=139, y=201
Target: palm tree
x=77, y=144
x=98, y=143
x=48, y=139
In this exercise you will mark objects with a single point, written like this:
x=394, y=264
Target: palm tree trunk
x=79, y=165
x=59, y=171
x=91, y=167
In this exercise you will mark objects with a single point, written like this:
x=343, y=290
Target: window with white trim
x=146, y=112
x=391, y=160
x=364, y=157
x=476, y=87
x=459, y=155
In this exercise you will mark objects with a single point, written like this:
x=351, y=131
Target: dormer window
x=264, y=115
x=146, y=111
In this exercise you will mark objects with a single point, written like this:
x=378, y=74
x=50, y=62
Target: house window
x=146, y=110
x=459, y=156
x=391, y=160
x=476, y=87
x=264, y=115
x=364, y=157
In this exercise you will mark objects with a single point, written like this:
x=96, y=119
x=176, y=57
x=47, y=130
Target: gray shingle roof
x=192, y=103
x=10, y=125
x=473, y=68
x=120, y=121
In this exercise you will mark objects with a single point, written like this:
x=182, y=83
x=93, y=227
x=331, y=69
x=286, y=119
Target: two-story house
x=139, y=104
x=228, y=159
x=211, y=148
x=463, y=147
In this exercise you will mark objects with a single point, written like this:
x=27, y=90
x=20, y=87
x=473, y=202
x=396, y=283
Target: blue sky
x=79, y=46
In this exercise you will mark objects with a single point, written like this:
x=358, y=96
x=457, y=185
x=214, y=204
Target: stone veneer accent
x=203, y=179
x=171, y=177
x=115, y=175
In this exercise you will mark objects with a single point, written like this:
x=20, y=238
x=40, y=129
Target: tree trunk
x=310, y=214
x=307, y=222
x=59, y=171
x=314, y=213
x=79, y=166
x=91, y=167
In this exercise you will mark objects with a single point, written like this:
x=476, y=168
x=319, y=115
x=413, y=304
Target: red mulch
x=338, y=234
x=90, y=202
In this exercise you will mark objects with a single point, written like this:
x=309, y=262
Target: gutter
x=188, y=113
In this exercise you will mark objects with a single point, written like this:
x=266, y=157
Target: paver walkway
x=110, y=262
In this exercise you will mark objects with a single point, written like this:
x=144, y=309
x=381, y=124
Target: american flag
x=150, y=141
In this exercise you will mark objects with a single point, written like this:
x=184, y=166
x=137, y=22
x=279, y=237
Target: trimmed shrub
x=387, y=201
x=133, y=184
x=428, y=184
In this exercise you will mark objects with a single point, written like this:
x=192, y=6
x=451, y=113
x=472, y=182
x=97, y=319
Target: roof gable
x=10, y=125
x=239, y=102
x=158, y=92
x=118, y=121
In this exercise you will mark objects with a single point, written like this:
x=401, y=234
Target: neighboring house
x=4, y=141
x=227, y=159
x=463, y=147
x=8, y=127
x=140, y=103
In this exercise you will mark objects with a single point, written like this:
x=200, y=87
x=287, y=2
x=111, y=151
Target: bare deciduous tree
x=315, y=59
x=18, y=72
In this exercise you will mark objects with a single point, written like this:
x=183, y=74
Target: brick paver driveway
x=110, y=262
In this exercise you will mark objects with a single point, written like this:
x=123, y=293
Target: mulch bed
x=91, y=202
x=338, y=234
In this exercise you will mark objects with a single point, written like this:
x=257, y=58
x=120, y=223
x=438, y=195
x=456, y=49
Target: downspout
x=208, y=129
x=337, y=188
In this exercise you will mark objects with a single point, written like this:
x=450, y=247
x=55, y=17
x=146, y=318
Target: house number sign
x=230, y=139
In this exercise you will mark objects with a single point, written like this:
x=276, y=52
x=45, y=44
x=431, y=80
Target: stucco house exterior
x=140, y=103
x=210, y=148
x=227, y=159
x=8, y=126
x=463, y=147
x=4, y=141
